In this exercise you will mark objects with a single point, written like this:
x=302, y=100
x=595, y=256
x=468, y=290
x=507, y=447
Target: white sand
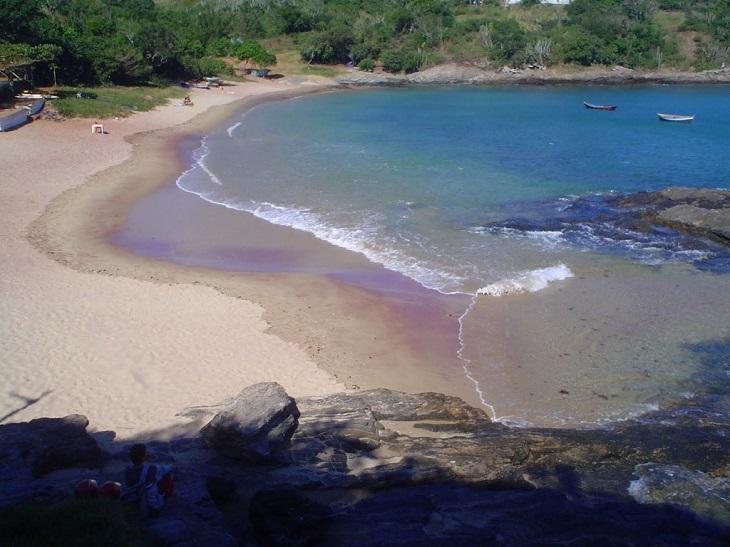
x=127, y=354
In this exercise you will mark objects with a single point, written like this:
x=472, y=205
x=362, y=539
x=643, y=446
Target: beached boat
x=14, y=119
x=200, y=85
x=35, y=107
x=35, y=96
x=675, y=117
x=599, y=106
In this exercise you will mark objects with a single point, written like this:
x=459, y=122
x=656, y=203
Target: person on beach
x=188, y=101
x=149, y=484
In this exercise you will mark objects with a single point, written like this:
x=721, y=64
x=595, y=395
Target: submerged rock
x=256, y=427
x=704, y=211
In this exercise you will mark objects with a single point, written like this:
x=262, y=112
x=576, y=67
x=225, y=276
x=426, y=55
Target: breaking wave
x=530, y=281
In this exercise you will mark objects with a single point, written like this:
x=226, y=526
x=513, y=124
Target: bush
x=366, y=64
x=208, y=66
x=391, y=60
x=508, y=39
x=251, y=51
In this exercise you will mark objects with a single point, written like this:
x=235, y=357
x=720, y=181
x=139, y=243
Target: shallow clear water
x=579, y=319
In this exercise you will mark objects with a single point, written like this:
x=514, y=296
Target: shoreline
x=313, y=312
x=127, y=353
x=455, y=74
x=316, y=313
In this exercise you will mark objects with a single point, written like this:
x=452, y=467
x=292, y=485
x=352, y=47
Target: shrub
x=366, y=64
x=391, y=60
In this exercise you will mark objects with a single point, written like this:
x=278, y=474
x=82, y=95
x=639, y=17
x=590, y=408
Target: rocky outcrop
x=256, y=427
x=451, y=73
x=704, y=211
x=48, y=444
x=389, y=468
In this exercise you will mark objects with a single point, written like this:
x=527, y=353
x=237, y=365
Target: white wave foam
x=359, y=239
x=530, y=281
x=231, y=129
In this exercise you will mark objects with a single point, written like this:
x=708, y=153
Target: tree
x=251, y=51
x=508, y=38
x=16, y=56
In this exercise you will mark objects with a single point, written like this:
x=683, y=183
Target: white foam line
x=231, y=129
x=530, y=281
x=466, y=362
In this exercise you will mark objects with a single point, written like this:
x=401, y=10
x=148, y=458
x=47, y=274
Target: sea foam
x=529, y=281
x=361, y=239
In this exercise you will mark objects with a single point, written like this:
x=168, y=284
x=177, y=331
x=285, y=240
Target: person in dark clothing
x=150, y=484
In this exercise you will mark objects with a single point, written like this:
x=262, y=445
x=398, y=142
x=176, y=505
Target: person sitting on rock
x=150, y=484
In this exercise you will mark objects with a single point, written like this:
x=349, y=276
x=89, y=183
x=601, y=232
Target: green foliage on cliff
x=138, y=41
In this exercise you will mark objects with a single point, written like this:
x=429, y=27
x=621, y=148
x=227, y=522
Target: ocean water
x=573, y=313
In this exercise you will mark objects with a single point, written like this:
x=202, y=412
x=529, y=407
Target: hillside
x=142, y=41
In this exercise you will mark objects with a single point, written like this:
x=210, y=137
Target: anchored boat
x=675, y=117
x=599, y=106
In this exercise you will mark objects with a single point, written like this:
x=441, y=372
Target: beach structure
x=97, y=128
x=13, y=119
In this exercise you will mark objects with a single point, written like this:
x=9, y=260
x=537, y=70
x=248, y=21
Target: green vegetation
x=138, y=42
x=109, y=101
x=76, y=523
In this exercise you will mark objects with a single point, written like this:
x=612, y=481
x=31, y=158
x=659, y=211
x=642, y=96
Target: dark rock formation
x=256, y=427
x=48, y=444
x=703, y=211
x=388, y=468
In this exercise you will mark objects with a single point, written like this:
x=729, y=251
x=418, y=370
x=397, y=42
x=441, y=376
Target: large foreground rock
x=256, y=427
x=47, y=444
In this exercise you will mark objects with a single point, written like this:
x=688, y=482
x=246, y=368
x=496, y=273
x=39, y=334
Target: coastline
x=322, y=319
x=301, y=319
x=455, y=74
x=131, y=354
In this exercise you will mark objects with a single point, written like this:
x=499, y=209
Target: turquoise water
x=501, y=195
x=410, y=177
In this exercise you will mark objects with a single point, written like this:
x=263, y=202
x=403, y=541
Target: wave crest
x=529, y=281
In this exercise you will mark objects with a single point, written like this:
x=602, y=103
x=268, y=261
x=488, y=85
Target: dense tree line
x=132, y=41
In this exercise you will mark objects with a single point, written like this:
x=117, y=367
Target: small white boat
x=675, y=117
x=14, y=119
x=35, y=96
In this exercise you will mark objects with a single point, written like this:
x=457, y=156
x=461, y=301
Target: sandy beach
x=132, y=342
x=127, y=354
